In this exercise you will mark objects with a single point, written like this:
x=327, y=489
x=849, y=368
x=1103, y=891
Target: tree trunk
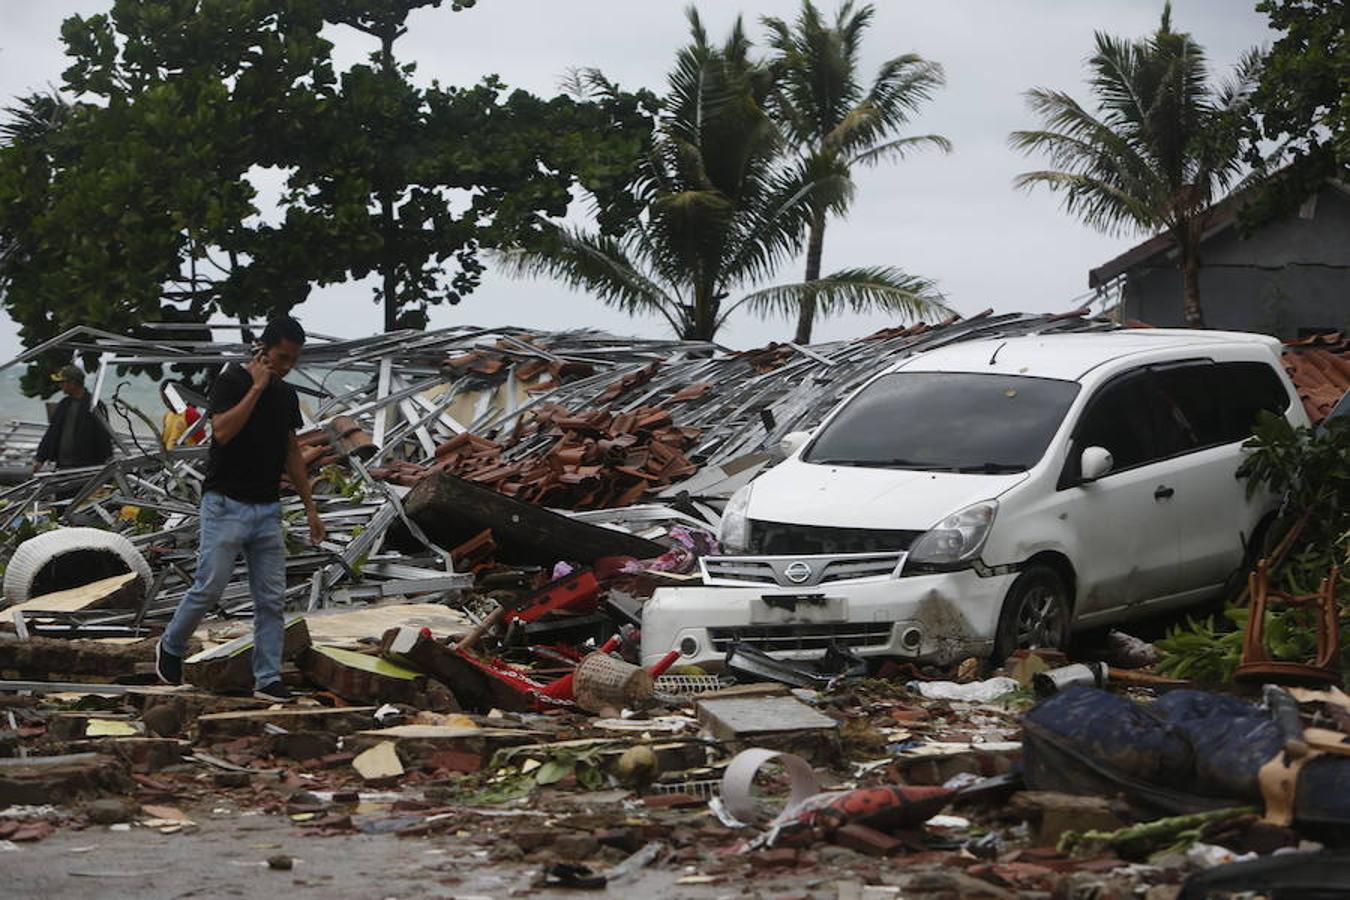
x=1190, y=280
x=806, y=312
x=703, y=317
x=388, y=267
x=388, y=224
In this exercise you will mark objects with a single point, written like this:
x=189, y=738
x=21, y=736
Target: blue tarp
x=1190, y=750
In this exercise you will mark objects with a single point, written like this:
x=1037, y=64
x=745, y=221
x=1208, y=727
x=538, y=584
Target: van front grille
x=770, y=638
x=783, y=539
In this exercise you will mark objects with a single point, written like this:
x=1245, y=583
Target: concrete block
x=1050, y=814
x=342, y=721
x=59, y=659
x=777, y=722
x=358, y=678
x=142, y=755
x=229, y=667
x=62, y=779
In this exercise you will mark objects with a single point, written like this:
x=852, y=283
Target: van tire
x=1037, y=600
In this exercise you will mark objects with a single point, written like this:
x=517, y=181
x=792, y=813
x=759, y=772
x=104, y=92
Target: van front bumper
x=942, y=617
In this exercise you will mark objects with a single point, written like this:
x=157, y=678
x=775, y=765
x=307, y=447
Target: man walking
x=254, y=414
x=76, y=435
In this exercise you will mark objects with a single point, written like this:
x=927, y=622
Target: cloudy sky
x=953, y=218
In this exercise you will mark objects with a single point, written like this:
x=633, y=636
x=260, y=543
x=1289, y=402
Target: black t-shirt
x=249, y=467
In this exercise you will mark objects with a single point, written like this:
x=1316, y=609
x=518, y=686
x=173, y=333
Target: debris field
x=467, y=642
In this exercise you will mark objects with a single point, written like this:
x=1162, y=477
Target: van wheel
x=1035, y=614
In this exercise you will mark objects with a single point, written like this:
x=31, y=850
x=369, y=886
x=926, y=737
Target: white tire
x=34, y=554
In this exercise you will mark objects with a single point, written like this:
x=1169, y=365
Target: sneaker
x=168, y=667
x=275, y=691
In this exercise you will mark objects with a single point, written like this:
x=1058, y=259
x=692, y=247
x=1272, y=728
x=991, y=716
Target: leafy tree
x=379, y=119
x=1302, y=102
x=1161, y=148
x=29, y=152
x=127, y=199
x=837, y=122
x=396, y=180
x=722, y=207
x=139, y=210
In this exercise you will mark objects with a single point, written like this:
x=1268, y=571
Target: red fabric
x=884, y=808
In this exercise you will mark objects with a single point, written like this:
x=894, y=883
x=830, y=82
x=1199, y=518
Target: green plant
x=1310, y=470
x=515, y=776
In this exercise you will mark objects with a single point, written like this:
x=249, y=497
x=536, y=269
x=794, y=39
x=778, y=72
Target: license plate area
x=769, y=609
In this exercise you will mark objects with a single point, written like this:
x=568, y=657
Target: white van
x=991, y=495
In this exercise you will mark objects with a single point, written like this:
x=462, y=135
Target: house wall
x=1288, y=277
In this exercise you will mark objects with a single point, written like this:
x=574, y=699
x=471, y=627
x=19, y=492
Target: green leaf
x=554, y=770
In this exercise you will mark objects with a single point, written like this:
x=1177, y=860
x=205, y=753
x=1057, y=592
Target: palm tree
x=722, y=208
x=31, y=128
x=1162, y=146
x=34, y=118
x=834, y=120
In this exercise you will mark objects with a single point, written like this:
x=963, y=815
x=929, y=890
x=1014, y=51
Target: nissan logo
x=798, y=572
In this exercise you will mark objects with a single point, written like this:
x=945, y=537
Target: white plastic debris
x=388, y=714
x=1207, y=856
x=974, y=692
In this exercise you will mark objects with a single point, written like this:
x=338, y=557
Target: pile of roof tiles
x=604, y=437
x=598, y=460
x=1319, y=366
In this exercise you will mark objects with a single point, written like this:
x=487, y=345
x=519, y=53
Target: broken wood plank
x=117, y=592
x=452, y=510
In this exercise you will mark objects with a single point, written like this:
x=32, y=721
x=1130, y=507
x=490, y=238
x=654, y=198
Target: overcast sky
x=953, y=218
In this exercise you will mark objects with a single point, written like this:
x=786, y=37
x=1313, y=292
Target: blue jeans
x=230, y=527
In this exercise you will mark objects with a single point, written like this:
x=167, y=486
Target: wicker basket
x=602, y=682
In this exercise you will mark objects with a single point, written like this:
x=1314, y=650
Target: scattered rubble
x=500, y=504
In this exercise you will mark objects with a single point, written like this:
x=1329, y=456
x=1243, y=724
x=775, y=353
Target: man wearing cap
x=77, y=434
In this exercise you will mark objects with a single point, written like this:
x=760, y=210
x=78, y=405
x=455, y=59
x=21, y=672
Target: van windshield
x=946, y=421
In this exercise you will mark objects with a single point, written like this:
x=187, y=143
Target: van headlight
x=734, y=532
x=957, y=538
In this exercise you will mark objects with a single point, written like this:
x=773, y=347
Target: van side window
x=1245, y=389
x=1118, y=420
x=1186, y=409
x=1209, y=404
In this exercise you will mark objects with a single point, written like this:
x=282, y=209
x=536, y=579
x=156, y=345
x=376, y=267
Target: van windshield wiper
x=902, y=464
x=992, y=468
x=875, y=463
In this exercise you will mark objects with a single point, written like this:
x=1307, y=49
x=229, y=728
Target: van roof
x=1071, y=356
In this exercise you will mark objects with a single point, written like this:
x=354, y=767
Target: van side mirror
x=792, y=442
x=1094, y=463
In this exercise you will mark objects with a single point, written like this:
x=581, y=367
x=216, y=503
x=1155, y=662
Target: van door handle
x=1163, y=492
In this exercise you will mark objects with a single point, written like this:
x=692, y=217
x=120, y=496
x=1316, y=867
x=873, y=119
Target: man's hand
x=317, y=531
x=37, y=465
x=260, y=371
